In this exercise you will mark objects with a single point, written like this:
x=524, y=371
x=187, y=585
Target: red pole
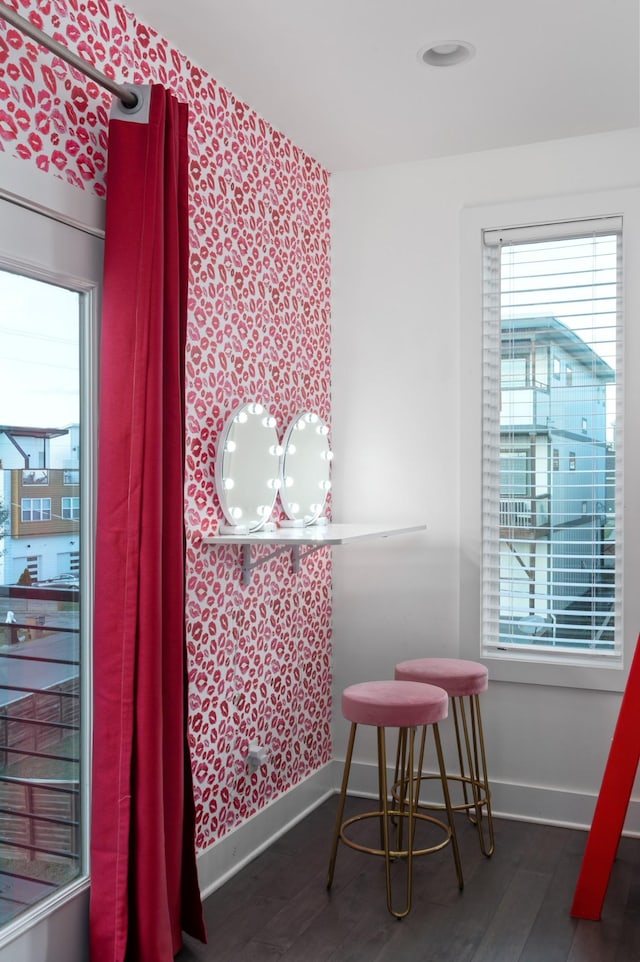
x=612, y=804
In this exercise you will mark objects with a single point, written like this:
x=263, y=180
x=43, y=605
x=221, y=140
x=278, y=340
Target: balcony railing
x=524, y=512
x=40, y=707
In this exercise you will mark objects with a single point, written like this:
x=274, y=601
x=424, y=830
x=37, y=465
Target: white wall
x=397, y=426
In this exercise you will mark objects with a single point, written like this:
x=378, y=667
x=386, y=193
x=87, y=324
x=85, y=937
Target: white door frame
x=59, y=929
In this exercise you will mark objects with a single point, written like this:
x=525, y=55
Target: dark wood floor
x=514, y=907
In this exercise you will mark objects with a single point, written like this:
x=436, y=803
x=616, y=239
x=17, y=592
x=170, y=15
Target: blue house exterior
x=555, y=462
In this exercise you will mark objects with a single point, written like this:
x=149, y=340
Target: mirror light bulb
x=230, y=446
x=264, y=510
x=294, y=508
x=256, y=408
x=241, y=417
x=291, y=449
x=228, y=483
x=276, y=450
x=235, y=513
x=269, y=421
x=300, y=425
x=274, y=483
x=325, y=485
x=322, y=429
x=311, y=417
x=326, y=455
x=288, y=481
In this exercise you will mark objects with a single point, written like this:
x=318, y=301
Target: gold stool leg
x=402, y=776
x=409, y=795
x=447, y=805
x=461, y=763
x=472, y=760
x=482, y=777
x=478, y=778
x=382, y=791
x=384, y=814
x=341, y=803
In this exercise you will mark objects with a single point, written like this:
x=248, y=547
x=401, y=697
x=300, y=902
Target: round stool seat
x=394, y=704
x=457, y=676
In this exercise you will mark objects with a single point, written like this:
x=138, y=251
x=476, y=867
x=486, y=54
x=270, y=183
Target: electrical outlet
x=257, y=755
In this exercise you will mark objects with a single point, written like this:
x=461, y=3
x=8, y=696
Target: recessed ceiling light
x=447, y=53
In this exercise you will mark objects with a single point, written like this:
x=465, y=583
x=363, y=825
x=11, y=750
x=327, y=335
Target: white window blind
x=552, y=432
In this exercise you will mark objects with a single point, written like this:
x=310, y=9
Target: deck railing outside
x=40, y=714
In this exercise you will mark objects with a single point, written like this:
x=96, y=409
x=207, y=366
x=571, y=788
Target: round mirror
x=248, y=467
x=306, y=469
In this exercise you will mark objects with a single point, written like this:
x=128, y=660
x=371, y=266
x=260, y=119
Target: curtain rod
x=126, y=96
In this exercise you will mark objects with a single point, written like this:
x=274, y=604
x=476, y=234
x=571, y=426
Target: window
x=71, y=509
x=551, y=575
x=30, y=477
x=49, y=276
x=36, y=509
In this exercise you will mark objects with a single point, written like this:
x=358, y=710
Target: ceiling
x=342, y=78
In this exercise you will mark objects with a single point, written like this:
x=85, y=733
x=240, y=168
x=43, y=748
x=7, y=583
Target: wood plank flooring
x=514, y=906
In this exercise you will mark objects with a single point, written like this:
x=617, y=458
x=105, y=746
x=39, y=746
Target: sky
x=39, y=353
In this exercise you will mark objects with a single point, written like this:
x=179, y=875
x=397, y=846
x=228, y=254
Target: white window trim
x=530, y=668
x=31, y=500
x=70, y=508
x=62, y=920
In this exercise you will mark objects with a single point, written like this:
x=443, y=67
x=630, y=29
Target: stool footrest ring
x=484, y=794
x=394, y=814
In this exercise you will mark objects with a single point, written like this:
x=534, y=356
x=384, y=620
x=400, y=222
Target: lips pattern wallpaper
x=259, y=656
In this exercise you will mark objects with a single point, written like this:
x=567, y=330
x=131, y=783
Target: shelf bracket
x=248, y=565
x=296, y=557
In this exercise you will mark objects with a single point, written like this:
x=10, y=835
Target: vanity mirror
x=306, y=470
x=248, y=469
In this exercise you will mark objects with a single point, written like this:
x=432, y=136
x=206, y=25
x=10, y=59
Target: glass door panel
x=49, y=279
x=40, y=680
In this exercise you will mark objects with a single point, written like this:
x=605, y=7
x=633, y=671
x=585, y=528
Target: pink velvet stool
x=463, y=681
x=405, y=705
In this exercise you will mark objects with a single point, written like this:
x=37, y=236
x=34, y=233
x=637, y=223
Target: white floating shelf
x=312, y=537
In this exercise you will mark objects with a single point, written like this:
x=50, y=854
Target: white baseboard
x=525, y=803
x=530, y=803
x=224, y=858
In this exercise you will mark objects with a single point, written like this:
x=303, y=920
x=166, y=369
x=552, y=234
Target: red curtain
x=144, y=887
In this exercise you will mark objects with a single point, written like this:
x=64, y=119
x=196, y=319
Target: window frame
x=44, y=512
x=532, y=668
x=49, y=201
x=70, y=508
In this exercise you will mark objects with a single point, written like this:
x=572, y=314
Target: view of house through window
x=40, y=757
x=552, y=345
